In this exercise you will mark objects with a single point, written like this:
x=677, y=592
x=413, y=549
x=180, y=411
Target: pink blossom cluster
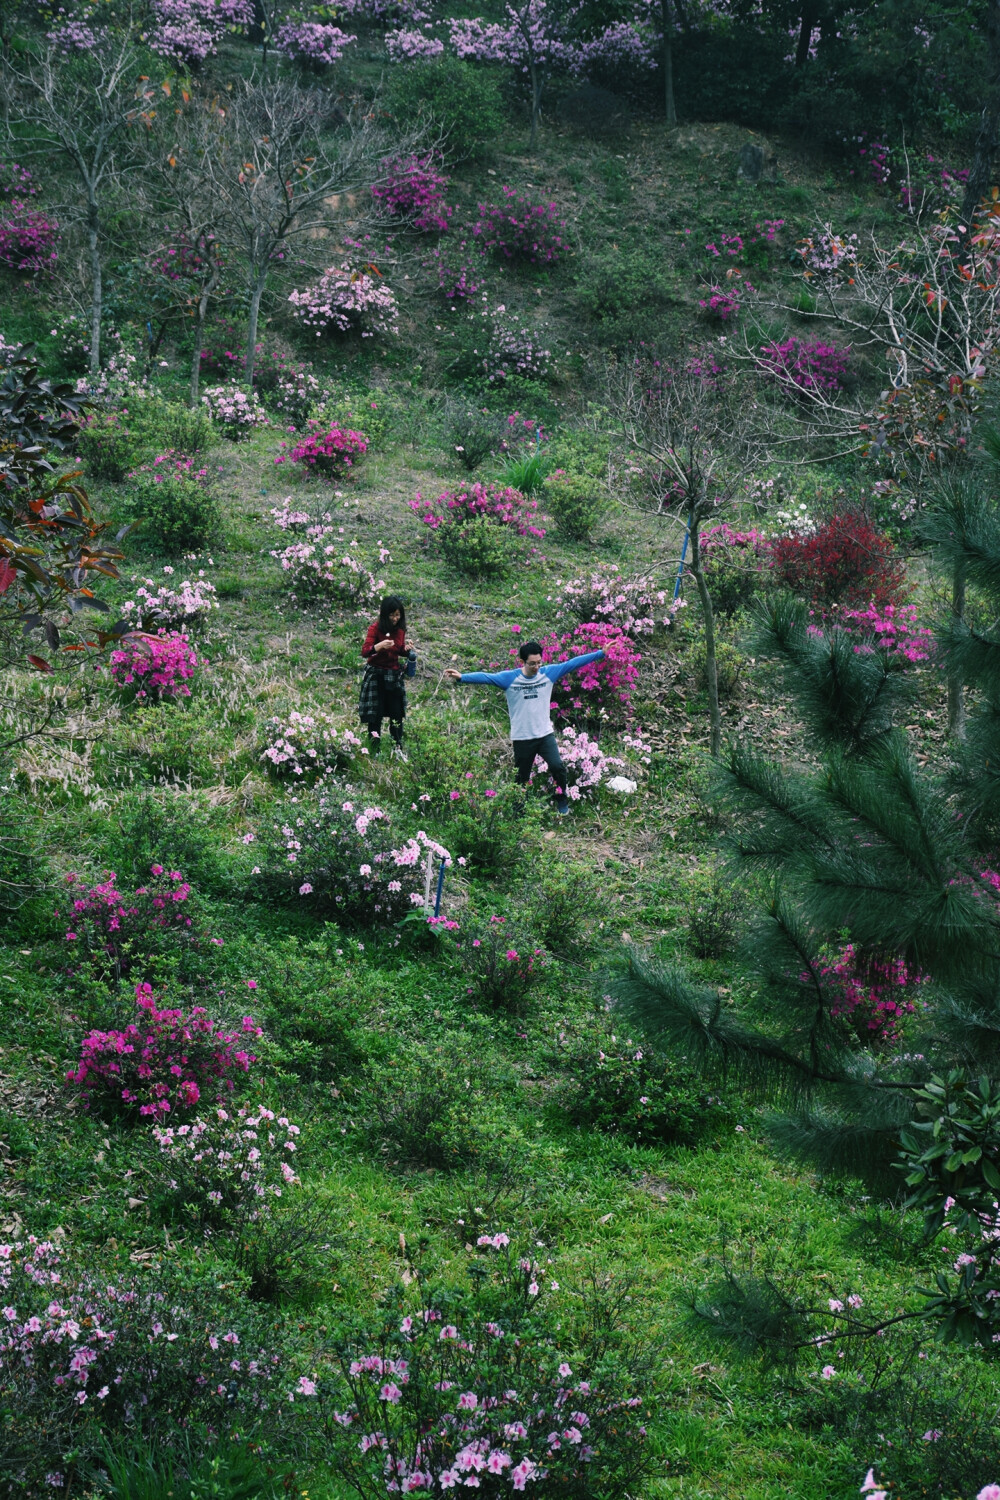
x=412, y=188
x=455, y=276
x=724, y=302
x=497, y=503
x=930, y=180
x=318, y=570
x=514, y=349
x=325, y=449
x=159, y=667
x=385, y=12
x=825, y=253
x=874, y=159
x=804, y=365
x=347, y=299
x=189, y=30
x=584, y=760
x=223, y=1162
x=180, y=260
x=312, y=43
x=111, y=926
x=873, y=993
x=237, y=412
x=16, y=181
x=518, y=229
x=75, y=36
x=166, y=607
x=405, y=45
x=892, y=628
x=606, y=596
x=164, y=1061
x=602, y=689
x=29, y=239
x=308, y=744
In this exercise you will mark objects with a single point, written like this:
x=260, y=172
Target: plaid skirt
x=382, y=696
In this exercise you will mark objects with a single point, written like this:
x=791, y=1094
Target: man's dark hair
x=388, y=606
x=530, y=648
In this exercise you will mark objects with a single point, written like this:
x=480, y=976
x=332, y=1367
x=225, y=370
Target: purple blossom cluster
x=455, y=276
x=406, y=45
x=412, y=188
x=16, y=181
x=347, y=300
x=29, y=239
x=325, y=449
x=158, y=667
x=497, y=503
x=312, y=44
x=518, y=229
x=801, y=365
x=723, y=303
x=237, y=412
x=188, y=31
x=75, y=36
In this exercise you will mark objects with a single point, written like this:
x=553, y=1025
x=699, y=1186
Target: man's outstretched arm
x=555, y=670
x=495, y=679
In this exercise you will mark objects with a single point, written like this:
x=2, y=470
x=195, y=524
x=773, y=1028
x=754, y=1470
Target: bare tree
x=81, y=110
x=699, y=429
x=285, y=167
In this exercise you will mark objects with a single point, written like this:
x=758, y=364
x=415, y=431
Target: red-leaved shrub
x=845, y=562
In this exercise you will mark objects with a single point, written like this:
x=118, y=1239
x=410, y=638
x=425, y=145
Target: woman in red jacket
x=383, y=693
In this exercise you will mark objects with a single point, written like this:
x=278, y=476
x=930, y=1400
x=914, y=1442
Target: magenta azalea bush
x=29, y=239
x=870, y=993
x=325, y=449
x=413, y=189
x=601, y=690
x=806, y=366
x=499, y=962
x=156, y=667
x=347, y=300
x=312, y=44
x=723, y=303
x=496, y=503
x=457, y=279
x=163, y=1062
x=892, y=628
x=16, y=181
x=114, y=929
x=518, y=229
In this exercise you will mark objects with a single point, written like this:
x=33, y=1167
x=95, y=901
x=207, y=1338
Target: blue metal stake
x=440, y=888
x=680, y=566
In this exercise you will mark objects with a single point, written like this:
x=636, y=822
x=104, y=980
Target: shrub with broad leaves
x=116, y=931
x=225, y=1167
x=328, y=852
x=489, y=1384
x=346, y=300
x=622, y=1088
x=314, y=45
x=325, y=449
x=575, y=502
x=320, y=571
x=164, y=606
x=412, y=188
x=517, y=229
x=164, y=1062
x=237, y=413
x=154, y=667
x=843, y=562
x=306, y=745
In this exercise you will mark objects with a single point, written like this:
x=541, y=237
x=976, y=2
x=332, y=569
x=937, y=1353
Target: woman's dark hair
x=389, y=605
x=530, y=648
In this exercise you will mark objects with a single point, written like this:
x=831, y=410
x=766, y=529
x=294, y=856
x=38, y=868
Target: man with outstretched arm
x=529, y=698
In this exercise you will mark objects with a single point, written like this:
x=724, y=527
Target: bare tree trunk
x=96, y=285
x=536, y=104
x=956, y=691
x=708, y=615
x=988, y=135
x=199, y=336
x=807, y=26
x=258, y=292
x=668, y=63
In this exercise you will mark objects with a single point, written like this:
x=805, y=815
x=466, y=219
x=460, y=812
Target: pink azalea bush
x=188, y=31
x=810, y=366
x=325, y=449
x=225, y=1166
x=412, y=188
x=328, y=852
x=16, y=181
x=501, y=505
x=872, y=995
x=166, y=607
x=347, y=300
x=312, y=44
x=587, y=764
x=406, y=44
x=164, y=1062
x=115, y=930
x=320, y=570
x=499, y=962
x=826, y=253
x=156, y=667
x=606, y=596
x=484, y=1389
x=723, y=303
x=237, y=413
x=517, y=229
x=602, y=689
x=513, y=348
x=306, y=745
x=892, y=628
x=29, y=239
x=458, y=278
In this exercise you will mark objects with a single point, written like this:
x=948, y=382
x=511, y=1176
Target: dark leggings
x=548, y=748
x=395, y=729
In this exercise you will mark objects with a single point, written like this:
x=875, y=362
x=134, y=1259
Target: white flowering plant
x=306, y=745
x=347, y=300
x=170, y=605
x=227, y=1166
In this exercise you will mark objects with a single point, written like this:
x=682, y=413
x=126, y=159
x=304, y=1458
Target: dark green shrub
x=487, y=830
x=109, y=448
x=622, y=290
x=175, y=505
x=631, y=1091
x=714, y=920
x=561, y=903
x=479, y=548
x=179, y=831
x=500, y=961
x=471, y=433
x=170, y=426
x=574, y=502
x=462, y=100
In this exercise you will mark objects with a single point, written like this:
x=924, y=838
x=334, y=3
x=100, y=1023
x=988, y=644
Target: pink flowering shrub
x=164, y=1062
x=499, y=962
x=514, y=349
x=457, y=279
x=602, y=690
x=871, y=994
x=413, y=189
x=155, y=667
x=826, y=253
x=347, y=300
x=164, y=607
x=518, y=229
x=116, y=931
x=314, y=45
x=892, y=628
x=806, y=366
x=483, y=824
x=237, y=413
x=29, y=239
x=304, y=746
x=586, y=764
x=406, y=44
x=502, y=506
x=325, y=449
x=490, y=1385
x=737, y=565
x=16, y=182
x=327, y=852
x=174, y=501
x=188, y=31
x=324, y=568
x=92, y=1353
x=227, y=1167
x=607, y=597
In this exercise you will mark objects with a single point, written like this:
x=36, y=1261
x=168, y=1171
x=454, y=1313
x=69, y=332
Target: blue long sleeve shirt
x=529, y=699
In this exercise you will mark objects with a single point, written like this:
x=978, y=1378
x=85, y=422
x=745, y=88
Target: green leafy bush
x=165, y=425
x=463, y=101
x=623, y=290
x=177, y=507
x=729, y=667
x=631, y=1091
x=714, y=920
x=471, y=433
x=479, y=548
x=484, y=826
x=574, y=502
x=110, y=448
x=561, y=903
x=525, y=472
